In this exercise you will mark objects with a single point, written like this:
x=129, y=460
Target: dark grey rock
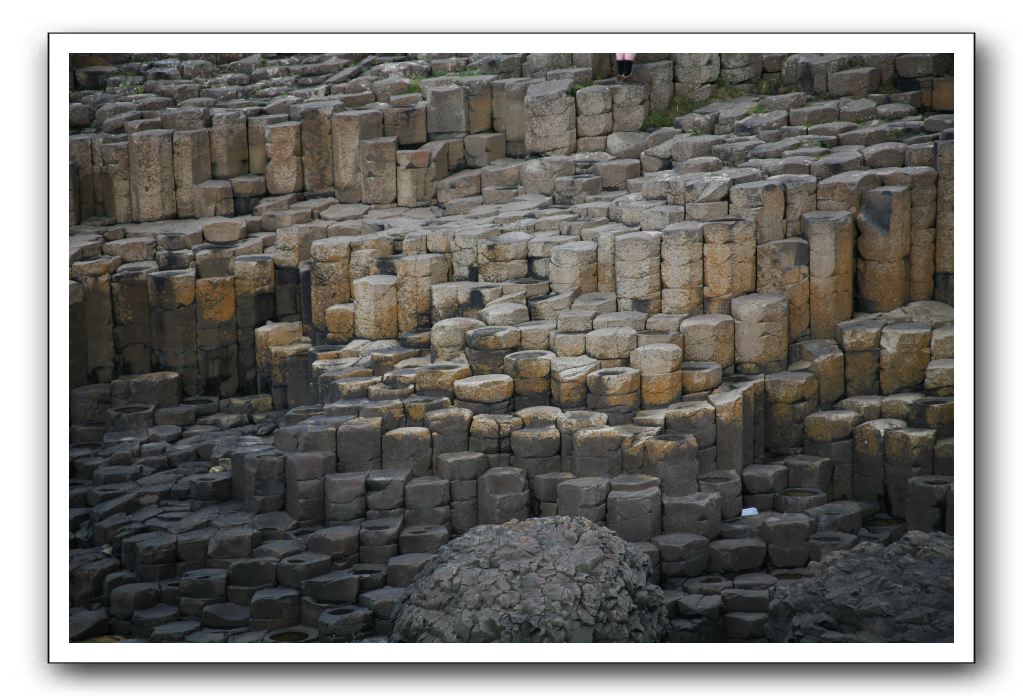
x=899, y=593
x=552, y=579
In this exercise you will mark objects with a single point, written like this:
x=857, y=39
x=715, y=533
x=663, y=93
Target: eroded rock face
x=899, y=593
x=551, y=579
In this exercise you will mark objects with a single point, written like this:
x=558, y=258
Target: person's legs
x=625, y=61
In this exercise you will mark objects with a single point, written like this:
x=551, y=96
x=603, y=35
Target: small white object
x=749, y=512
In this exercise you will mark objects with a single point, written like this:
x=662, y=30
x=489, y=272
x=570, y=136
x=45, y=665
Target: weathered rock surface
x=870, y=594
x=554, y=579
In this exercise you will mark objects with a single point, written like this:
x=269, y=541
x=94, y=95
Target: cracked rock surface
x=869, y=594
x=551, y=579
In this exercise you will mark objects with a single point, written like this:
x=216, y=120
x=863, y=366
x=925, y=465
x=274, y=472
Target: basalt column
x=883, y=244
x=831, y=236
x=151, y=162
x=173, y=327
x=729, y=262
x=94, y=276
x=254, y=306
x=216, y=334
x=129, y=291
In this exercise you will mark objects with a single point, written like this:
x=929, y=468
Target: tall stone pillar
x=151, y=162
x=831, y=237
x=348, y=130
x=882, y=266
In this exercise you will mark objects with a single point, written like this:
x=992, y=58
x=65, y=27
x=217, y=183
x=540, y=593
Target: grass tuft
x=724, y=90
x=679, y=106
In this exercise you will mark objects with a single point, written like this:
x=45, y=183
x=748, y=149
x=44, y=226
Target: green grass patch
x=724, y=90
x=770, y=85
x=658, y=119
x=755, y=109
x=678, y=106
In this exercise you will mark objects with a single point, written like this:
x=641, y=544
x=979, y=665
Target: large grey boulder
x=870, y=594
x=551, y=579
